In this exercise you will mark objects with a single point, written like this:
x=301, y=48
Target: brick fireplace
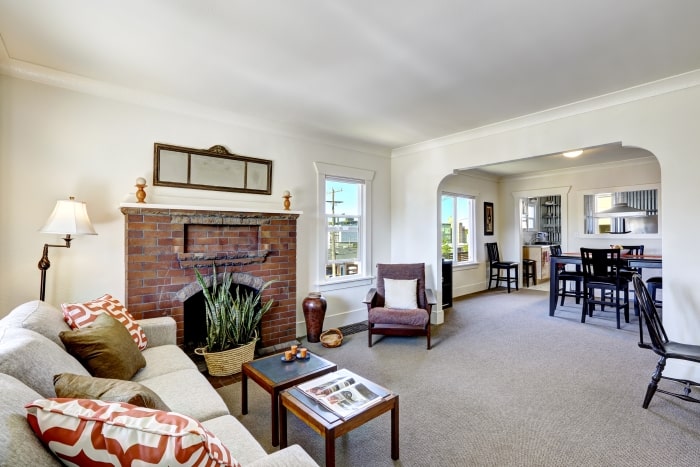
x=165, y=243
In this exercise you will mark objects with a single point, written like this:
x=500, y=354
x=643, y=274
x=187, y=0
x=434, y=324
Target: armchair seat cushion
x=415, y=317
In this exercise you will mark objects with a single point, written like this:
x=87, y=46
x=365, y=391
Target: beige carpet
x=505, y=385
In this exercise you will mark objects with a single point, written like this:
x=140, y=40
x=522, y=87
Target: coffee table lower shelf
x=330, y=426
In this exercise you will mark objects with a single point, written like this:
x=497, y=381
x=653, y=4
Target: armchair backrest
x=402, y=272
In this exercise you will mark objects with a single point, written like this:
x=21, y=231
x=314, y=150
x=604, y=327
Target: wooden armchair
x=400, y=305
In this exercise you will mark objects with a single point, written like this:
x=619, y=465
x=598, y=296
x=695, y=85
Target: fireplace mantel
x=194, y=207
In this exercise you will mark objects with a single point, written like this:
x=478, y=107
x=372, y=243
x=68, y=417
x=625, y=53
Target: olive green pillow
x=108, y=390
x=105, y=348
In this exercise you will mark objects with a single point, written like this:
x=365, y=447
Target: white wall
x=664, y=124
x=470, y=279
x=55, y=143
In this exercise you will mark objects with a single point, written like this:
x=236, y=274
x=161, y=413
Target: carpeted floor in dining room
x=505, y=384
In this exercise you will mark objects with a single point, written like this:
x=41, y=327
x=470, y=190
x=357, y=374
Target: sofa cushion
x=162, y=360
x=34, y=359
x=242, y=445
x=401, y=294
x=176, y=390
x=105, y=348
x=40, y=317
x=417, y=317
x=18, y=443
x=79, y=315
x=110, y=390
x=291, y=456
x=84, y=431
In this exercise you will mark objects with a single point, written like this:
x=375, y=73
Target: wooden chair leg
x=369, y=335
x=654, y=383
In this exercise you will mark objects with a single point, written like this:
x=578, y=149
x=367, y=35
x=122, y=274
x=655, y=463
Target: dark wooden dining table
x=631, y=261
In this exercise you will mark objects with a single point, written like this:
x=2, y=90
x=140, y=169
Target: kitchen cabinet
x=540, y=254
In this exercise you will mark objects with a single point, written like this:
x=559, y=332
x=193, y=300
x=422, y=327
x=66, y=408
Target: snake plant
x=231, y=320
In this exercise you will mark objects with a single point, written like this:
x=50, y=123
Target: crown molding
x=56, y=78
x=635, y=93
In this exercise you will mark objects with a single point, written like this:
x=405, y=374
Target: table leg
x=395, y=430
x=330, y=448
x=244, y=393
x=275, y=417
x=553, y=284
x=283, y=426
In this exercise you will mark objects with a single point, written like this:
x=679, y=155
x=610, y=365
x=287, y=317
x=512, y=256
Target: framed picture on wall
x=488, y=218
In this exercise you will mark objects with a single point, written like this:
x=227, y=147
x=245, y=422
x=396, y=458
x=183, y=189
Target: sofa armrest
x=159, y=331
x=291, y=456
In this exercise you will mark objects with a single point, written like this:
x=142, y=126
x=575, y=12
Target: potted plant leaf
x=231, y=323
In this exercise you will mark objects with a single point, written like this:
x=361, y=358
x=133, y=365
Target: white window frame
x=472, y=230
x=364, y=276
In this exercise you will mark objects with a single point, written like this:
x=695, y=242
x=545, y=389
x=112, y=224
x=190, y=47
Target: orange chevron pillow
x=79, y=315
x=93, y=432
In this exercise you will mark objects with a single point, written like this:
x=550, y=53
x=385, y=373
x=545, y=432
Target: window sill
x=363, y=281
x=465, y=266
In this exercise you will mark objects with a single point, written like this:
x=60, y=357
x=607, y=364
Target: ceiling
x=386, y=73
x=606, y=154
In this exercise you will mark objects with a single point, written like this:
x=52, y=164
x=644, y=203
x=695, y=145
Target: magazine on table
x=343, y=392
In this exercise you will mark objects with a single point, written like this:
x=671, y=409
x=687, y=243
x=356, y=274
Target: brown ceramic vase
x=314, y=306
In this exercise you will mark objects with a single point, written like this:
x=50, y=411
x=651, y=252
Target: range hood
x=621, y=210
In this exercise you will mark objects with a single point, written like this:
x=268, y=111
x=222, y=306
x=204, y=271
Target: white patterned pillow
x=80, y=315
x=90, y=432
x=401, y=294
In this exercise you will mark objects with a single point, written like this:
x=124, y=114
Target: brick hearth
x=165, y=243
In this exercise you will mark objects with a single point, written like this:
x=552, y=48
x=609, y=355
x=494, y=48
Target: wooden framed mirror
x=210, y=169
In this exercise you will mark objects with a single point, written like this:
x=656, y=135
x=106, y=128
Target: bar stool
x=529, y=272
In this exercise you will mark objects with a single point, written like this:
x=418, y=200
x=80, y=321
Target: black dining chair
x=601, y=272
x=496, y=266
x=662, y=346
x=566, y=277
x=636, y=250
x=627, y=272
x=654, y=284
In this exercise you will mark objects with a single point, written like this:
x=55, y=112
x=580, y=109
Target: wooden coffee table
x=274, y=376
x=329, y=425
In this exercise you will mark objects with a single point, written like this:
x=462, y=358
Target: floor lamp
x=69, y=217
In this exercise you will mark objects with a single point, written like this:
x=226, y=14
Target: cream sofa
x=31, y=353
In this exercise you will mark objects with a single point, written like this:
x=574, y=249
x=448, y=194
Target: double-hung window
x=458, y=221
x=344, y=213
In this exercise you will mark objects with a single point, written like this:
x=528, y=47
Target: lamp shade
x=69, y=217
x=621, y=210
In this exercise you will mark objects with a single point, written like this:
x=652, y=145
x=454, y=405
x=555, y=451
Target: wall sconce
x=69, y=217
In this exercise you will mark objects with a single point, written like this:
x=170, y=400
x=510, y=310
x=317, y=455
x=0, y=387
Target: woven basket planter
x=227, y=362
x=332, y=338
